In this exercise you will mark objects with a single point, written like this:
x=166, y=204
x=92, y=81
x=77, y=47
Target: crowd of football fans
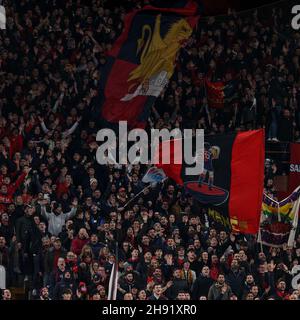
x=61, y=213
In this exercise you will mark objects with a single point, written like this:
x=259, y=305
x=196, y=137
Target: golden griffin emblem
x=238, y=225
x=157, y=58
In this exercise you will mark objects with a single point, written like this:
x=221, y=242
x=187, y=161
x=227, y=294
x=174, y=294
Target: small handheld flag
x=154, y=175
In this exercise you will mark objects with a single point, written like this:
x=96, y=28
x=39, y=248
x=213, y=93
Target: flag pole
x=278, y=212
x=113, y=279
x=259, y=233
x=295, y=223
x=207, y=106
x=259, y=237
x=128, y=202
x=235, y=113
x=117, y=257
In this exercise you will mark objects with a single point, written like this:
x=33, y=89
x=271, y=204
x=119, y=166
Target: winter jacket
x=235, y=281
x=51, y=258
x=23, y=230
x=201, y=287
x=7, y=199
x=215, y=293
x=56, y=222
x=61, y=286
x=78, y=244
x=177, y=286
x=4, y=256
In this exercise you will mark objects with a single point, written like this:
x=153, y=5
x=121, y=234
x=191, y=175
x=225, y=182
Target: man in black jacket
x=286, y=127
x=6, y=228
x=4, y=253
x=128, y=282
x=202, y=284
x=51, y=258
x=66, y=283
x=235, y=278
x=34, y=247
x=178, y=285
x=24, y=228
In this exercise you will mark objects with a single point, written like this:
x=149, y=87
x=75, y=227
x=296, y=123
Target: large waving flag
x=279, y=220
x=142, y=60
x=231, y=183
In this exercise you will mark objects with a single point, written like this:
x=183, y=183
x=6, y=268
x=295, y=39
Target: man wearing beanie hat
x=82, y=292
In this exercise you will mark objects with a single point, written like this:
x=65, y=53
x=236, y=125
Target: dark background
x=219, y=7
x=212, y=7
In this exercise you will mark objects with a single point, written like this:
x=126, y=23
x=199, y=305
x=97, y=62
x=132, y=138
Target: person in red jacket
x=8, y=189
x=280, y=292
x=80, y=241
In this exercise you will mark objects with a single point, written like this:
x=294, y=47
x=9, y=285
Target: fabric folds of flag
x=231, y=184
x=279, y=220
x=154, y=175
x=220, y=93
x=113, y=283
x=142, y=60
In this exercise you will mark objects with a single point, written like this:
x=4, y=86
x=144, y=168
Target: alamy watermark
x=137, y=146
x=2, y=18
x=295, y=23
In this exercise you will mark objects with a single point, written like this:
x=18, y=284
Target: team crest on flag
x=142, y=61
x=157, y=56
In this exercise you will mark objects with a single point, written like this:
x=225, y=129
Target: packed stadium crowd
x=62, y=213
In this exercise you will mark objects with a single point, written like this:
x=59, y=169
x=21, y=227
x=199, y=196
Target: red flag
x=231, y=185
